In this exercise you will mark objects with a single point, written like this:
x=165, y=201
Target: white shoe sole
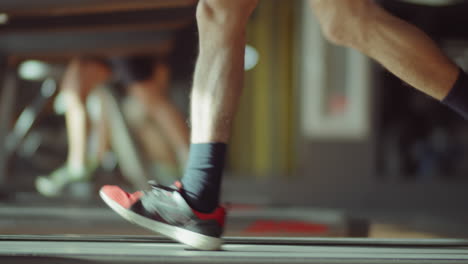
x=184, y=236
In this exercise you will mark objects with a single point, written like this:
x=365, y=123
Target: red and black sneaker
x=163, y=209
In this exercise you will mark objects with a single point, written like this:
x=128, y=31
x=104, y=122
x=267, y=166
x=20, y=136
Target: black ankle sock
x=202, y=179
x=457, y=98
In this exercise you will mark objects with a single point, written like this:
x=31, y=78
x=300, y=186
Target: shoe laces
x=159, y=189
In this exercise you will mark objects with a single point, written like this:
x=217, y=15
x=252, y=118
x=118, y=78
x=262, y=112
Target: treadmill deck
x=147, y=249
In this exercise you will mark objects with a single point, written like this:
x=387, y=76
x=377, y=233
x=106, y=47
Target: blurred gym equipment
x=29, y=115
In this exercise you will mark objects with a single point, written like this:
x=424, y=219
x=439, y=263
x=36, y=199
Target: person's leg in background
x=399, y=46
x=159, y=125
x=80, y=78
x=190, y=213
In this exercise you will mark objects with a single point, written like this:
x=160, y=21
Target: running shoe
x=53, y=185
x=163, y=210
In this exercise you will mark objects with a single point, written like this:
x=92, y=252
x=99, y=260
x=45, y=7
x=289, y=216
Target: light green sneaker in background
x=52, y=185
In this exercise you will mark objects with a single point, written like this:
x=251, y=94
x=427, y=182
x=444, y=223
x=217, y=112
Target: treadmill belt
x=146, y=249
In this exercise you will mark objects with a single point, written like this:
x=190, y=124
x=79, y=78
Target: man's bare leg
x=217, y=87
x=219, y=71
x=399, y=46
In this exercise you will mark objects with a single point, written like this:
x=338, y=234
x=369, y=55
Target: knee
x=224, y=12
x=84, y=67
x=82, y=75
x=344, y=22
x=333, y=29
